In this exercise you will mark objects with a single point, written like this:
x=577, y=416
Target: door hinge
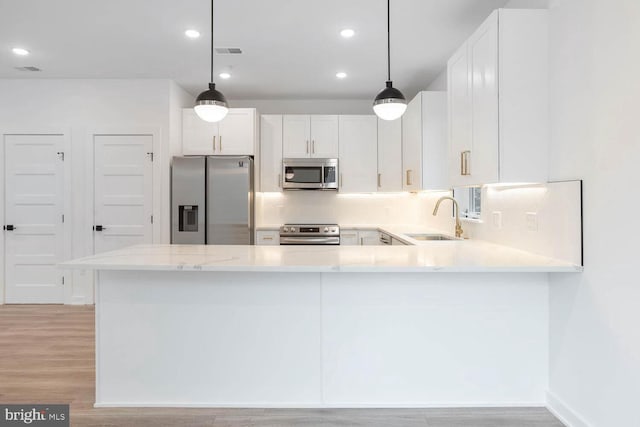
x=151, y=219
x=63, y=280
x=61, y=155
x=150, y=155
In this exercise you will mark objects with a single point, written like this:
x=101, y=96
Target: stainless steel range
x=310, y=234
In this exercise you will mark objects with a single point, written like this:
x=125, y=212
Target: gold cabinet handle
x=267, y=238
x=464, y=163
x=220, y=144
x=307, y=147
x=361, y=241
x=379, y=180
x=279, y=180
x=313, y=146
x=409, y=177
x=214, y=143
x=341, y=181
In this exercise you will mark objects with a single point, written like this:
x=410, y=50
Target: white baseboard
x=77, y=300
x=299, y=405
x=565, y=414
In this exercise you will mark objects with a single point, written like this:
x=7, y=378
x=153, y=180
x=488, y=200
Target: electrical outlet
x=497, y=219
x=532, y=221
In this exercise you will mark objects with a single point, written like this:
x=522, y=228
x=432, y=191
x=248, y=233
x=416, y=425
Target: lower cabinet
x=355, y=237
x=268, y=237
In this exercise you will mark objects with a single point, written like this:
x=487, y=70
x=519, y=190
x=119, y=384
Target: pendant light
x=390, y=103
x=211, y=105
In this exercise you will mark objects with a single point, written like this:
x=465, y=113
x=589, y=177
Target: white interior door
x=34, y=229
x=122, y=191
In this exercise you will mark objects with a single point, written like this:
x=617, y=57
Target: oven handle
x=335, y=240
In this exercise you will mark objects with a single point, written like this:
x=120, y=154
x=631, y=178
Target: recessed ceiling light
x=20, y=51
x=224, y=75
x=341, y=75
x=192, y=34
x=347, y=33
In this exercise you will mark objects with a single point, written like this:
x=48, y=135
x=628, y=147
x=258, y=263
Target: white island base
x=316, y=339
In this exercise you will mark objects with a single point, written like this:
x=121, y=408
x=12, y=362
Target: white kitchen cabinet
x=498, y=101
x=424, y=142
x=358, y=158
x=349, y=237
x=359, y=237
x=234, y=135
x=310, y=136
x=271, y=152
x=268, y=237
x=389, y=155
x=369, y=237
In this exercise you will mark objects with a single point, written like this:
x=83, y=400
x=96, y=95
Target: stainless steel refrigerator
x=212, y=200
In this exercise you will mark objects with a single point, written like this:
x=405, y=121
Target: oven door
x=300, y=177
x=309, y=240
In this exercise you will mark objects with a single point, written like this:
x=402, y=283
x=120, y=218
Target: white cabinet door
x=123, y=191
x=267, y=237
x=459, y=106
x=296, y=136
x=369, y=237
x=412, y=146
x=198, y=137
x=271, y=152
x=349, y=237
x=435, y=153
x=483, y=53
x=358, y=154
x=389, y=155
x=236, y=133
x=34, y=186
x=324, y=136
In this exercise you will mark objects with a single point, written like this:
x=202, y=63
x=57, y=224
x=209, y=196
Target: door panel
x=236, y=133
x=296, y=135
x=123, y=191
x=324, y=136
x=34, y=197
x=358, y=154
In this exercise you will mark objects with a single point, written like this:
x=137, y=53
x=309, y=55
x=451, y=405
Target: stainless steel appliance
x=310, y=234
x=212, y=200
x=310, y=174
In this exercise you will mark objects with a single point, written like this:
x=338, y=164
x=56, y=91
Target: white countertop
x=433, y=256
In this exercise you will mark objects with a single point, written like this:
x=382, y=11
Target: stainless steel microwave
x=310, y=174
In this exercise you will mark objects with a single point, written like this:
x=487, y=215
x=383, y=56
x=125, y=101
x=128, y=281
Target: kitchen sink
x=431, y=237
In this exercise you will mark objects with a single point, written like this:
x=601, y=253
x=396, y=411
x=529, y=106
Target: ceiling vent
x=228, y=51
x=28, y=69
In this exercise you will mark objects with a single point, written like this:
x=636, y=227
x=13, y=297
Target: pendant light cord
x=211, y=41
x=388, y=42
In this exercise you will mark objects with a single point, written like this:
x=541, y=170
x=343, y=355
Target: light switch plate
x=497, y=219
x=532, y=221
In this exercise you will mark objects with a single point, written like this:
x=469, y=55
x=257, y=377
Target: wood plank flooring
x=47, y=356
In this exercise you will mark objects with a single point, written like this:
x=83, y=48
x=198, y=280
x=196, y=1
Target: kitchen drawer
x=268, y=237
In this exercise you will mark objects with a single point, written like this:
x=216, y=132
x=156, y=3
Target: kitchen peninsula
x=444, y=323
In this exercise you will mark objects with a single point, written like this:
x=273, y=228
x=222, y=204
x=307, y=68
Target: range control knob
x=285, y=229
x=293, y=229
x=326, y=229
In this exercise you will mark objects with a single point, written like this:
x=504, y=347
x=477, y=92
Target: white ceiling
x=292, y=48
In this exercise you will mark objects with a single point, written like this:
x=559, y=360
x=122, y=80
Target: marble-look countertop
x=433, y=256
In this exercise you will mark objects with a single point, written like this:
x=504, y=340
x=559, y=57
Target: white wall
x=440, y=82
x=79, y=107
x=595, y=317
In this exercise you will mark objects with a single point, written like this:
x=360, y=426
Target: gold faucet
x=455, y=204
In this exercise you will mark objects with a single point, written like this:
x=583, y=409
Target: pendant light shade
x=211, y=105
x=390, y=103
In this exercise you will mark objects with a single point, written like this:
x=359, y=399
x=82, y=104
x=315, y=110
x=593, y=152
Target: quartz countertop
x=432, y=256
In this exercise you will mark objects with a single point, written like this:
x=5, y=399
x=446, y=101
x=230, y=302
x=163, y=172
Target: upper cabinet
x=389, y=155
x=234, y=135
x=310, y=136
x=498, y=101
x=271, y=152
x=358, y=154
x=424, y=143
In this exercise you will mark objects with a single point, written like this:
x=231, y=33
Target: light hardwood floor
x=47, y=356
